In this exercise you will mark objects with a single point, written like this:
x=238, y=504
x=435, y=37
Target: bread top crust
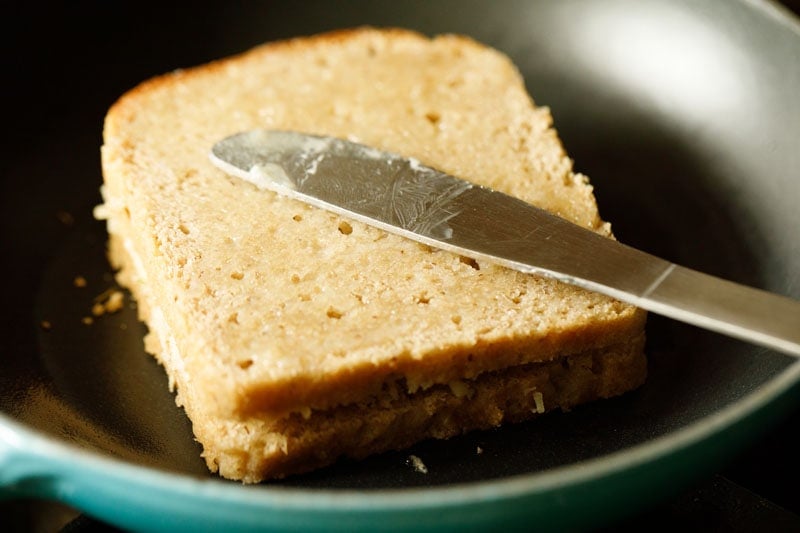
x=276, y=306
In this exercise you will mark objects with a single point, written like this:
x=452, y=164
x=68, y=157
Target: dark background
x=55, y=55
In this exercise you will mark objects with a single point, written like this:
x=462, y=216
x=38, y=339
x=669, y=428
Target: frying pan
x=685, y=115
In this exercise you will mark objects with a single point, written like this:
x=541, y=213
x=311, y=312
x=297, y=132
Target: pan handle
x=26, y=469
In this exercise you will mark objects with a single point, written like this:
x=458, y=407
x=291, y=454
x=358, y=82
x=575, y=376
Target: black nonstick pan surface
x=684, y=114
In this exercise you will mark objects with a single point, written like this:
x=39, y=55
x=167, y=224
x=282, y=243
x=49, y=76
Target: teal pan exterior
x=586, y=495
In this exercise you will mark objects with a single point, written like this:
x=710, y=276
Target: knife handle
x=713, y=303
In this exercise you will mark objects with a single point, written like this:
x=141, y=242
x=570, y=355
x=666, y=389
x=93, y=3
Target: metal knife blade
x=403, y=196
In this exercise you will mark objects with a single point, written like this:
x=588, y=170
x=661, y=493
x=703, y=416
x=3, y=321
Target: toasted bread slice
x=294, y=335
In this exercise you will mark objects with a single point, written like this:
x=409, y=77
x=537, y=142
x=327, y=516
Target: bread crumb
x=109, y=301
x=417, y=463
x=79, y=282
x=114, y=302
x=87, y=321
x=539, y=399
x=46, y=325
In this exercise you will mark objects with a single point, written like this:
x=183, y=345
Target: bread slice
x=294, y=336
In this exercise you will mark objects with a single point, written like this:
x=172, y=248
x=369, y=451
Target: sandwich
x=293, y=336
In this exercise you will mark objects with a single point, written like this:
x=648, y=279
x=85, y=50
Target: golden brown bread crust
x=263, y=311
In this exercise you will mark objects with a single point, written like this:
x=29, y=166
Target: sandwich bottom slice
x=294, y=337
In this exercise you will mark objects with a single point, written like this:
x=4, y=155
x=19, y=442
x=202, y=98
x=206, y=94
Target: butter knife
x=403, y=196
